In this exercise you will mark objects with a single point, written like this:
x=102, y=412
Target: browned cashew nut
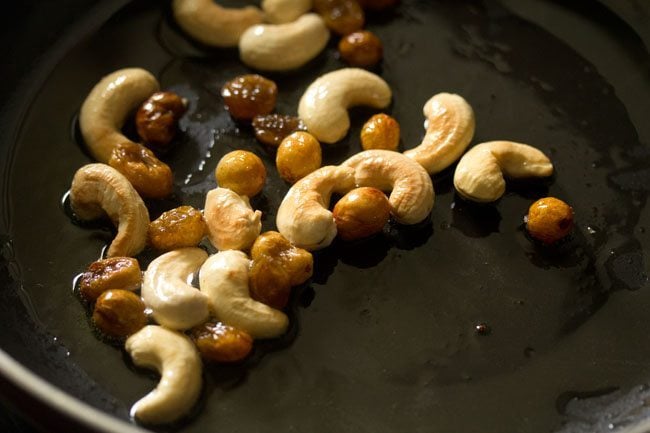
x=99, y=190
x=232, y=222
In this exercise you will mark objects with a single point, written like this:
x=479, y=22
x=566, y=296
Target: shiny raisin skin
x=112, y=273
x=248, y=96
x=362, y=49
x=119, y=313
x=271, y=129
x=157, y=118
x=221, y=343
x=549, y=220
x=180, y=227
x=341, y=16
x=151, y=177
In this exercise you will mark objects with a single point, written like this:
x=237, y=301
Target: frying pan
x=382, y=338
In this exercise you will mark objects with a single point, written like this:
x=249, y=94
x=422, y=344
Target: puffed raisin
x=177, y=228
x=248, y=96
x=377, y=5
x=271, y=129
x=361, y=213
x=341, y=16
x=221, y=343
x=241, y=171
x=157, y=118
x=113, y=273
x=362, y=49
x=151, y=177
x=119, y=313
x=269, y=282
x=380, y=132
x=298, y=155
x=549, y=220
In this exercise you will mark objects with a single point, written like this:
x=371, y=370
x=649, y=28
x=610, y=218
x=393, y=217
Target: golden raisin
x=361, y=213
x=221, y=343
x=377, y=5
x=157, y=118
x=271, y=129
x=177, y=228
x=341, y=16
x=362, y=49
x=549, y=220
x=298, y=263
x=269, y=282
x=119, y=313
x=248, y=96
x=242, y=172
x=380, y=132
x=114, y=273
x=151, y=177
x=298, y=155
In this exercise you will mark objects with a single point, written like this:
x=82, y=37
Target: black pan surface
x=383, y=338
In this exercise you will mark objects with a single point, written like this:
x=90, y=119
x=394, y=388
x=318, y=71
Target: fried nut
x=221, y=343
x=177, y=228
x=177, y=360
x=411, y=190
x=115, y=273
x=324, y=106
x=166, y=290
x=232, y=223
x=98, y=190
x=224, y=279
x=241, y=171
x=303, y=216
x=450, y=128
x=285, y=11
x=119, y=313
x=157, y=118
x=361, y=213
x=212, y=24
x=282, y=47
x=298, y=155
x=380, y=132
x=549, y=220
x=151, y=177
x=480, y=172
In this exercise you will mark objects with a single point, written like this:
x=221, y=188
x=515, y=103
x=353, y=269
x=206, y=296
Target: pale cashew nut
x=324, y=106
x=224, y=279
x=282, y=47
x=303, y=216
x=411, y=198
x=175, y=357
x=167, y=291
x=450, y=128
x=285, y=11
x=232, y=223
x=479, y=174
x=212, y=24
x=106, y=107
x=98, y=190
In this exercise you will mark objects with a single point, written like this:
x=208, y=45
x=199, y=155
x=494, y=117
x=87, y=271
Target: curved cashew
x=214, y=25
x=285, y=11
x=411, y=197
x=281, y=47
x=175, y=357
x=324, y=106
x=232, y=223
x=224, y=279
x=479, y=174
x=303, y=216
x=450, y=128
x=108, y=104
x=174, y=303
x=98, y=190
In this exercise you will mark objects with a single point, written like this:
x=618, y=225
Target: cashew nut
x=214, y=25
x=175, y=357
x=479, y=174
x=284, y=11
x=108, y=104
x=303, y=216
x=224, y=279
x=411, y=197
x=323, y=107
x=99, y=190
x=450, y=128
x=166, y=289
x=281, y=47
x=232, y=223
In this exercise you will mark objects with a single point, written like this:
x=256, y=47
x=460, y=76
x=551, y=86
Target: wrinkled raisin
x=177, y=228
x=341, y=16
x=271, y=129
x=221, y=343
x=151, y=177
x=157, y=118
x=248, y=96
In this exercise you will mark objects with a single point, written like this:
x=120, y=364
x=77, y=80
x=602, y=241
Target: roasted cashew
x=99, y=190
x=281, y=47
x=324, y=106
x=303, y=216
x=411, y=197
x=166, y=289
x=479, y=174
x=214, y=25
x=106, y=107
x=224, y=279
x=450, y=128
x=284, y=11
x=175, y=357
x=232, y=223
